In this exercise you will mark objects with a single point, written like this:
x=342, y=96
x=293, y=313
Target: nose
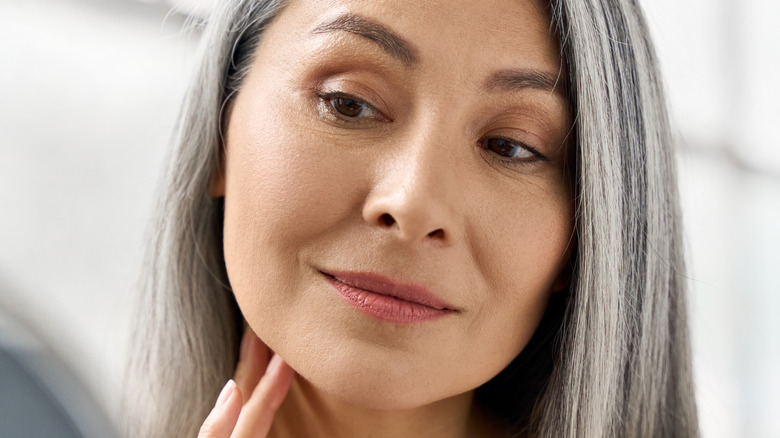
x=416, y=196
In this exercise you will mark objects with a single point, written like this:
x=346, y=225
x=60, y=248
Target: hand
x=248, y=402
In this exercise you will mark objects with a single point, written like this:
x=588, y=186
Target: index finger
x=252, y=363
x=223, y=417
x=258, y=413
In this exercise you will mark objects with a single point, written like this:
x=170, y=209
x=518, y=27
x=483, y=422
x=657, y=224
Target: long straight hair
x=611, y=357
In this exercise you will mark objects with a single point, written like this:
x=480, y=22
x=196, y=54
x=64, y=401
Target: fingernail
x=224, y=395
x=274, y=364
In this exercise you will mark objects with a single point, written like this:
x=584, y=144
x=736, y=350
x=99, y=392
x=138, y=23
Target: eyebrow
x=397, y=47
x=388, y=40
x=523, y=79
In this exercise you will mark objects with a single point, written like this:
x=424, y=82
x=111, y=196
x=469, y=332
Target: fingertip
x=223, y=418
x=285, y=370
x=259, y=411
x=279, y=366
x=280, y=378
x=231, y=408
x=230, y=399
x=226, y=392
x=233, y=397
x=274, y=364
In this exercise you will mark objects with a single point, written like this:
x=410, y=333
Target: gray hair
x=611, y=357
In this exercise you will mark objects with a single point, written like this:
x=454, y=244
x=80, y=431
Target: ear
x=217, y=181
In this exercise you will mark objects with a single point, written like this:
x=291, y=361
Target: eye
x=511, y=150
x=350, y=108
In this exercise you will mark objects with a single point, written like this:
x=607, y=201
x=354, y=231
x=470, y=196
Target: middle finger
x=253, y=361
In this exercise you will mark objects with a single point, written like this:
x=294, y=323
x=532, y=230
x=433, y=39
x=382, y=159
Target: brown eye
x=509, y=149
x=353, y=108
x=348, y=107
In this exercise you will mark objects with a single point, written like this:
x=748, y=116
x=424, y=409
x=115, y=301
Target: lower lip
x=386, y=308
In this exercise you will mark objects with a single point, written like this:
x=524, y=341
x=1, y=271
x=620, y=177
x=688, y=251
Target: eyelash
x=327, y=100
x=535, y=155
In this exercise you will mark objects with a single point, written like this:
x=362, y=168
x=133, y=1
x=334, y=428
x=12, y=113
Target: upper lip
x=382, y=285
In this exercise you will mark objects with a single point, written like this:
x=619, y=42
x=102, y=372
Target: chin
x=374, y=382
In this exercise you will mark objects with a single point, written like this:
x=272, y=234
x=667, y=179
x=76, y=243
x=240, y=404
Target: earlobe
x=217, y=180
x=217, y=184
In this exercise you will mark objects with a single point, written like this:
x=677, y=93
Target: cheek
x=280, y=176
x=283, y=190
x=525, y=246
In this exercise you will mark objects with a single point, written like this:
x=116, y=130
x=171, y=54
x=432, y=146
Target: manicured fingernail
x=274, y=364
x=224, y=395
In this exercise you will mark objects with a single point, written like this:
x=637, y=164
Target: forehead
x=465, y=34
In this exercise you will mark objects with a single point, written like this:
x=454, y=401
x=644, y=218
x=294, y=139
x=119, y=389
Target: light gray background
x=89, y=92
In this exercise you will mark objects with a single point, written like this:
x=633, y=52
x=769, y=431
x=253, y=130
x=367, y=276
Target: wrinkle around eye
x=364, y=86
x=543, y=128
x=334, y=100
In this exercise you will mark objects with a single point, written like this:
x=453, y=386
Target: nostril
x=387, y=219
x=436, y=234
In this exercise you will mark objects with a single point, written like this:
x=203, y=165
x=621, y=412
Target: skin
x=410, y=183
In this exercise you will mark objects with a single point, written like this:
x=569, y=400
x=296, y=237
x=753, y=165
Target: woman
x=447, y=219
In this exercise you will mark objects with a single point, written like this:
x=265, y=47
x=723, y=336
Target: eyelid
x=325, y=98
x=355, y=89
x=538, y=157
x=525, y=146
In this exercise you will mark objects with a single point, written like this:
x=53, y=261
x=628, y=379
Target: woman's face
x=396, y=207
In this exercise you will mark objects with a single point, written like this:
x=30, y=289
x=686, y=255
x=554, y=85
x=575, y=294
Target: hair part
x=611, y=357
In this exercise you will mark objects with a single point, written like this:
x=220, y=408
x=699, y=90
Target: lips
x=387, y=300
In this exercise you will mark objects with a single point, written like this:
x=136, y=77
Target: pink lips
x=384, y=299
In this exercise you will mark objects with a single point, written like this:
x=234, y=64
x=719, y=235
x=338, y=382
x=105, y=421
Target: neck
x=309, y=412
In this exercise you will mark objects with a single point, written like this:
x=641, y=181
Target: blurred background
x=89, y=92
